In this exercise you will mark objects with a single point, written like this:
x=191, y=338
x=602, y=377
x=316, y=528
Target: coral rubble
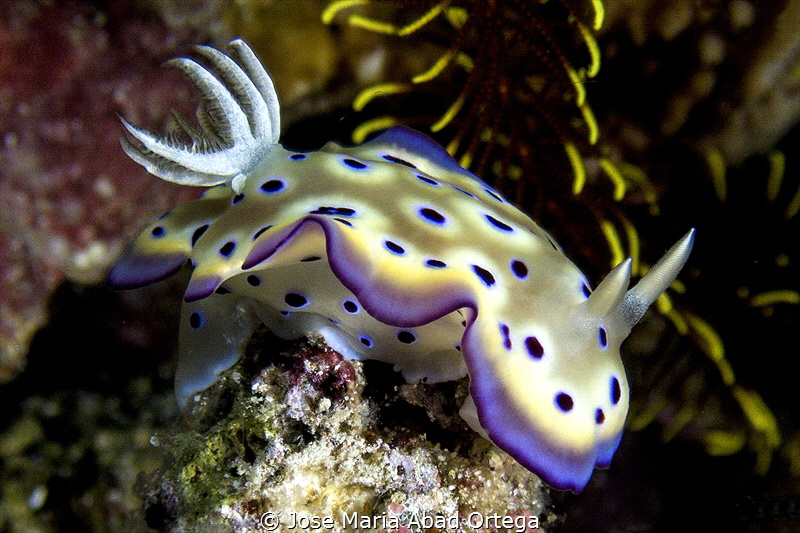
x=304, y=435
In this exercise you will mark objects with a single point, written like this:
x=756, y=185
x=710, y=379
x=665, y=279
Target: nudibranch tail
x=239, y=118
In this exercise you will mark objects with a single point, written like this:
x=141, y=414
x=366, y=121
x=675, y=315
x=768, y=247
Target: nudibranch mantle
x=390, y=251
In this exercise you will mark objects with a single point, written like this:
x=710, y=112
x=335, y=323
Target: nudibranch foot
x=389, y=251
x=213, y=336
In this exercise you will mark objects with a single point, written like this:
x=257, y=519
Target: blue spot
x=343, y=221
x=502, y=226
x=532, y=232
x=297, y=157
x=366, y=341
x=260, y=232
x=586, y=290
x=198, y=233
x=426, y=179
x=286, y=313
x=354, y=163
x=327, y=210
x=435, y=263
x=406, y=337
x=272, y=186
x=394, y=247
x=432, y=216
x=485, y=275
x=253, y=280
x=493, y=194
x=463, y=191
x=227, y=249
x=603, y=337
x=506, y=336
x=519, y=269
x=534, y=347
x=158, y=231
x=564, y=402
x=293, y=299
x=616, y=391
x=236, y=199
x=599, y=416
x=350, y=306
x=393, y=159
x=196, y=320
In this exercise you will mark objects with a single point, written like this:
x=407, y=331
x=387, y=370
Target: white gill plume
x=239, y=121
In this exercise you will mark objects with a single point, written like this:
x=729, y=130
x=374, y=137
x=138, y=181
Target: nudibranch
x=389, y=251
